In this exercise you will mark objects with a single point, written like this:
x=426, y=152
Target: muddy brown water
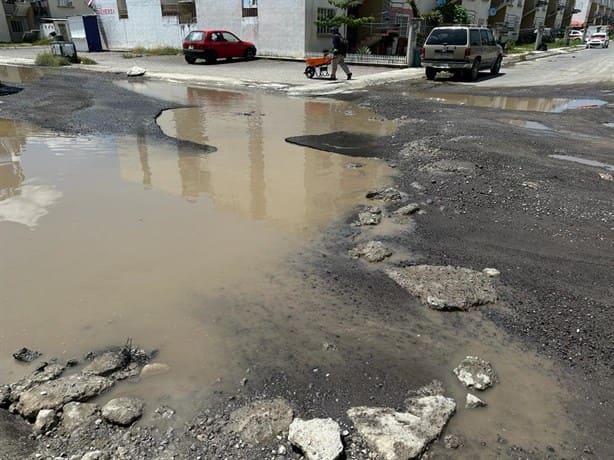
x=105, y=238
x=18, y=74
x=532, y=104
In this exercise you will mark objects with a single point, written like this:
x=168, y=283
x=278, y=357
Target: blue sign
x=441, y=2
x=492, y=11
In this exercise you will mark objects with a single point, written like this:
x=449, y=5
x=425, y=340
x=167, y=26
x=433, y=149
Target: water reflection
x=532, y=104
x=19, y=202
x=11, y=145
x=16, y=74
x=254, y=172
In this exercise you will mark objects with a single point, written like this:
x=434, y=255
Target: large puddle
x=195, y=254
x=17, y=74
x=109, y=238
x=532, y=104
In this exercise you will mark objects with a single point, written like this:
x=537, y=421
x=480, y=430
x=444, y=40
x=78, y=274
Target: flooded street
x=166, y=243
x=191, y=247
x=197, y=223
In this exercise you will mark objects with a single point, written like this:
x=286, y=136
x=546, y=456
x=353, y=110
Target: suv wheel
x=494, y=70
x=190, y=60
x=475, y=70
x=430, y=73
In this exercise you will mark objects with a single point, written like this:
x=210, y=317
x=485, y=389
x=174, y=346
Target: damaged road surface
x=407, y=279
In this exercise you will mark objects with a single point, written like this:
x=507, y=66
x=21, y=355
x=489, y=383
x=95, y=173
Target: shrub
x=160, y=51
x=364, y=50
x=49, y=60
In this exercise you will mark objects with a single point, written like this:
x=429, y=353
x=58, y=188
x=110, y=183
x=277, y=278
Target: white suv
x=461, y=50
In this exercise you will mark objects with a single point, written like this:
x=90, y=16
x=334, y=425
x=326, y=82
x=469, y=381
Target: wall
x=315, y=42
x=276, y=31
x=5, y=36
x=144, y=26
x=78, y=8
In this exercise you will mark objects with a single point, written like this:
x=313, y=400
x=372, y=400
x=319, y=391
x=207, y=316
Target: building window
x=324, y=14
x=17, y=26
x=250, y=8
x=184, y=10
x=65, y=3
x=122, y=9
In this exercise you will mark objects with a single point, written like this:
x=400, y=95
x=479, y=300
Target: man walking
x=340, y=49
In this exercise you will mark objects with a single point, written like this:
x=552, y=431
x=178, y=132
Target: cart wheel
x=310, y=71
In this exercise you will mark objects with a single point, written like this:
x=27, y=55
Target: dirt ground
x=493, y=196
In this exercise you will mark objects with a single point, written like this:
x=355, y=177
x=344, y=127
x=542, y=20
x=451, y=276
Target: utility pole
x=539, y=37
x=411, y=41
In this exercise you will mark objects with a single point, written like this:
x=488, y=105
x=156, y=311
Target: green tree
x=450, y=13
x=344, y=18
x=453, y=13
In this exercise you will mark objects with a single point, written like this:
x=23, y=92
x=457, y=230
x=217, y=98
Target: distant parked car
x=598, y=40
x=575, y=35
x=212, y=45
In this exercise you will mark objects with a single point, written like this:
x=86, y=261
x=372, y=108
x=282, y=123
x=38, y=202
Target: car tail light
x=467, y=52
x=422, y=52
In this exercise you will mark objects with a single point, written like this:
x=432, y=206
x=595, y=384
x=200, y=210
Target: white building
x=279, y=28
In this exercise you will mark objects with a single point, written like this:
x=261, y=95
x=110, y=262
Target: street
x=261, y=250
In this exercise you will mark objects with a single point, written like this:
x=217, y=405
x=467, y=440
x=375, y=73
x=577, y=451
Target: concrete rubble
x=445, y=287
x=476, y=373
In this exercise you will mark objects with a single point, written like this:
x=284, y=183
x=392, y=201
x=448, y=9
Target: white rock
x=403, y=435
x=373, y=251
x=445, y=287
x=408, y=209
x=155, y=369
x=45, y=420
x=475, y=372
x=136, y=72
x=473, y=401
x=96, y=455
x=123, y=411
x=319, y=439
x=492, y=272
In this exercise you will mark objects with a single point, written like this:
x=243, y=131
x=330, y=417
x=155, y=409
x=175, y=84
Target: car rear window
x=195, y=36
x=447, y=37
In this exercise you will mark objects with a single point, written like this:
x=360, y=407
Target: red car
x=211, y=45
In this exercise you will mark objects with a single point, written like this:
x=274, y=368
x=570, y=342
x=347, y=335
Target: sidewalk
x=280, y=75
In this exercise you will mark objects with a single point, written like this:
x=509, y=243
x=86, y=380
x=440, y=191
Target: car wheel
x=310, y=71
x=190, y=60
x=250, y=53
x=494, y=70
x=475, y=70
x=211, y=57
x=430, y=73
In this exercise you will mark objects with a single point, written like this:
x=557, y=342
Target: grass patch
x=516, y=48
x=12, y=45
x=87, y=61
x=42, y=41
x=49, y=60
x=160, y=51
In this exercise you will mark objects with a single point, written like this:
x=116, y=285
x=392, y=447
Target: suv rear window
x=447, y=37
